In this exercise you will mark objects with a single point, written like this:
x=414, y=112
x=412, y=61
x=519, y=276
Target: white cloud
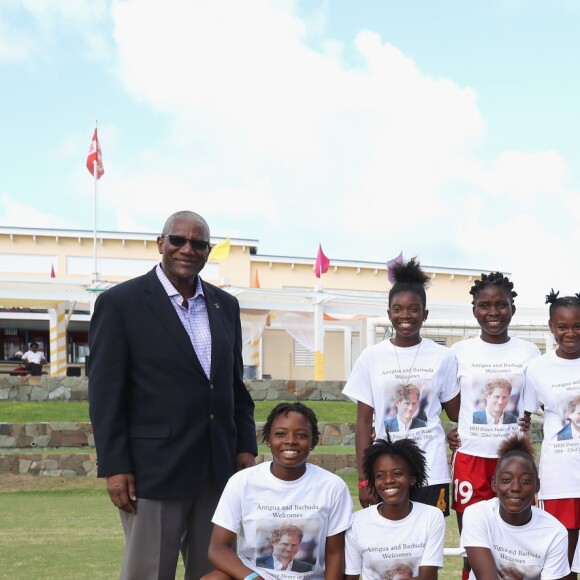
x=524, y=175
x=271, y=127
x=255, y=105
x=269, y=132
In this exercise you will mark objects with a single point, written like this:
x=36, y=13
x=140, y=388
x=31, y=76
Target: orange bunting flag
x=322, y=263
x=255, y=280
x=95, y=155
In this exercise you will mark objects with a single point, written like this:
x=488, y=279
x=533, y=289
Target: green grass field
x=78, y=411
x=67, y=529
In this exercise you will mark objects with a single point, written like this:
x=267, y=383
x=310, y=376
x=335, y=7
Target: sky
x=445, y=129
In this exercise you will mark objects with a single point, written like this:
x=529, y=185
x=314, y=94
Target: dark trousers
x=161, y=529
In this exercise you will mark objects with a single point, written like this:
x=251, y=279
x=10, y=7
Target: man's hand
x=244, y=460
x=121, y=488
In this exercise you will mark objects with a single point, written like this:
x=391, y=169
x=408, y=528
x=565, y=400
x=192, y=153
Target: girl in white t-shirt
x=400, y=386
x=553, y=382
x=396, y=539
x=576, y=561
x=507, y=537
x=291, y=515
x=491, y=375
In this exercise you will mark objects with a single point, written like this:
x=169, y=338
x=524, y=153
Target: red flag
x=95, y=155
x=322, y=263
x=52, y=272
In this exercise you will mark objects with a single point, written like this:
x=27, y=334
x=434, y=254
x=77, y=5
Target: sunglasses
x=179, y=242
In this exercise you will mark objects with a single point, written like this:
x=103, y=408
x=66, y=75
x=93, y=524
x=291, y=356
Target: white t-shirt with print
x=374, y=544
x=254, y=503
x=536, y=550
x=553, y=382
x=576, y=561
x=382, y=368
x=480, y=362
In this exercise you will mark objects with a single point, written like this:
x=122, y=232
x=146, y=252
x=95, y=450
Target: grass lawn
x=78, y=411
x=67, y=529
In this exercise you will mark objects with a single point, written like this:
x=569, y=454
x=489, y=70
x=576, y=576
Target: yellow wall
x=280, y=275
x=277, y=353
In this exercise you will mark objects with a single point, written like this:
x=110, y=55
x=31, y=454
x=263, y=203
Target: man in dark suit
x=286, y=541
x=407, y=402
x=572, y=429
x=171, y=416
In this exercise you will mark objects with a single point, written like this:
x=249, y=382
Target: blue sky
x=445, y=129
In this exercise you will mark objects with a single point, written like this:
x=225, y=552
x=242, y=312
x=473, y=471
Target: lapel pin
x=216, y=305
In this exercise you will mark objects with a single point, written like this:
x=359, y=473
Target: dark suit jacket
x=392, y=424
x=297, y=565
x=480, y=418
x=153, y=410
x=565, y=433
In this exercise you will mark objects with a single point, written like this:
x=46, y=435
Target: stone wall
x=75, y=435
x=43, y=388
x=45, y=435
x=56, y=465
x=85, y=464
x=47, y=388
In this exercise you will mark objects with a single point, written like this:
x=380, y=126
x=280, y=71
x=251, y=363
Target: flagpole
x=96, y=176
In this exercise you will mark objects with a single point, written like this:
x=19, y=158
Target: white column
x=347, y=351
x=57, y=318
x=318, y=335
x=549, y=341
x=363, y=334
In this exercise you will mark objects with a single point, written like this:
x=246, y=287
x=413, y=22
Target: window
x=302, y=356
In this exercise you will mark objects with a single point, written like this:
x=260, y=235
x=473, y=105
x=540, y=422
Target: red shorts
x=471, y=479
x=567, y=511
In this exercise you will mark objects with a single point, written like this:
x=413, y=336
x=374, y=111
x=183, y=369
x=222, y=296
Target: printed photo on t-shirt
x=406, y=409
x=290, y=547
x=513, y=572
x=496, y=401
x=399, y=570
x=571, y=421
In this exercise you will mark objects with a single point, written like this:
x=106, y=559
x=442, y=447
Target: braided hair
x=409, y=277
x=563, y=302
x=493, y=279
